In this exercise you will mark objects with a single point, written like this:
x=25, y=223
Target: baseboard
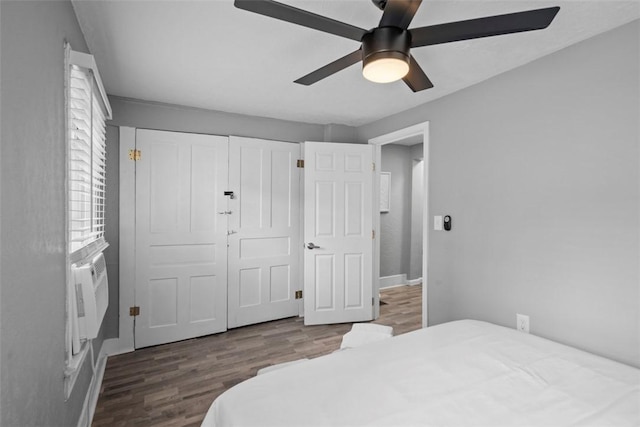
x=91, y=399
x=96, y=385
x=393, y=281
x=112, y=347
x=414, y=282
x=83, y=421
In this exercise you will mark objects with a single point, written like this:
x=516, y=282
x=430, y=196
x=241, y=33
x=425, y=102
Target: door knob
x=312, y=246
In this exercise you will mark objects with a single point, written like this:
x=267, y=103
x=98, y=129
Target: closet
x=216, y=219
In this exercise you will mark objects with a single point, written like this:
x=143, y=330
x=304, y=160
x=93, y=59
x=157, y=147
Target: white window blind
x=88, y=110
x=98, y=168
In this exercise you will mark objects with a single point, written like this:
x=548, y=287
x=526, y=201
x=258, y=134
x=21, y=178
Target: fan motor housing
x=386, y=42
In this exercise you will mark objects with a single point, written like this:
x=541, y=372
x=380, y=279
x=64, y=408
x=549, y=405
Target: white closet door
x=264, y=229
x=181, y=247
x=338, y=228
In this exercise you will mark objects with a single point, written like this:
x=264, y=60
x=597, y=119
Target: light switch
x=437, y=223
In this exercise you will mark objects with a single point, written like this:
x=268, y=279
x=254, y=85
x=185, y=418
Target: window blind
x=88, y=111
x=80, y=159
x=99, y=157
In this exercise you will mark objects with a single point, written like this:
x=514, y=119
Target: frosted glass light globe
x=385, y=70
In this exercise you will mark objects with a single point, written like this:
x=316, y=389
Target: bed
x=463, y=373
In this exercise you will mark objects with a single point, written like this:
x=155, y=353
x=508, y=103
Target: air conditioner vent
x=100, y=265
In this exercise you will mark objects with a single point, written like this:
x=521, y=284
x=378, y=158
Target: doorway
x=401, y=173
x=412, y=136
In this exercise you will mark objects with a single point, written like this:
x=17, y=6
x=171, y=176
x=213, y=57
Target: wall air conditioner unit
x=92, y=297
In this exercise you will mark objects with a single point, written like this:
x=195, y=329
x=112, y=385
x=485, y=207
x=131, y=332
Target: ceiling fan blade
x=399, y=13
x=416, y=79
x=332, y=68
x=483, y=27
x=294, y=15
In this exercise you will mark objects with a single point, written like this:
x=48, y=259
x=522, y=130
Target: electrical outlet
x=522, y=323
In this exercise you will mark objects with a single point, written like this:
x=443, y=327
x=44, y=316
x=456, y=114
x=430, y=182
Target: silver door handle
x=230, y=232
x=312, y=246
x=225, y=213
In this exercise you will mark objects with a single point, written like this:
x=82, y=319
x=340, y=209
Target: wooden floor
x=174, y=384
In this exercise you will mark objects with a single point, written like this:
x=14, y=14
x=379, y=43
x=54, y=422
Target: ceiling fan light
x=385, y=54
x=385, y=70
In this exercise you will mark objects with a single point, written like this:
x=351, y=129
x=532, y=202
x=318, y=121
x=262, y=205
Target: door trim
x=379, y=141
x=301, y=240
x=127, y=239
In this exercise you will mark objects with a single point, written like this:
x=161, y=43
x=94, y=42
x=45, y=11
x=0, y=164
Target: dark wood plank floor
x=174, y=384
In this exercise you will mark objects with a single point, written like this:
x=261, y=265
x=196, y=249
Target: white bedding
x=464, y=373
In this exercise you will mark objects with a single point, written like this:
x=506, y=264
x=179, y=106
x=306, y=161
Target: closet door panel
x=181, y=240
x=264, y=230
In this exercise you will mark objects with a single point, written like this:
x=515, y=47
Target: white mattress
x=464, y=373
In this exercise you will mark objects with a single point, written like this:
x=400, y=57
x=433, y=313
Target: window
x=87, y=109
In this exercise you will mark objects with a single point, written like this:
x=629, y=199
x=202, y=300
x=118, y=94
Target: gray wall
x=395, y=225
x=340, y=133
x=151, y=115
x=32, y=243
x=539, y=168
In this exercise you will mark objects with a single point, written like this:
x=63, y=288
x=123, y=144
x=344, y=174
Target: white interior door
x=338, y=233
x=264, y=230
x=181, y=246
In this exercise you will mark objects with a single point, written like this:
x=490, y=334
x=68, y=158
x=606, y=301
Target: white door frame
x=379, y=141
x=127, y=230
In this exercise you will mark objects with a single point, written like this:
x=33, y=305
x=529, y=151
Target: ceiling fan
x=385, y=49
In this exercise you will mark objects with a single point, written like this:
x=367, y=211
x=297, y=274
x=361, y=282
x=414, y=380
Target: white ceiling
x=208, y=54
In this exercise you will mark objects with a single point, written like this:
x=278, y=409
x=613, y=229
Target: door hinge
x=373, y=300
x=298, y=294
x=134, y=311
x=373, y=166
x=135, y=155
x=373, y=234
x=300, y=163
